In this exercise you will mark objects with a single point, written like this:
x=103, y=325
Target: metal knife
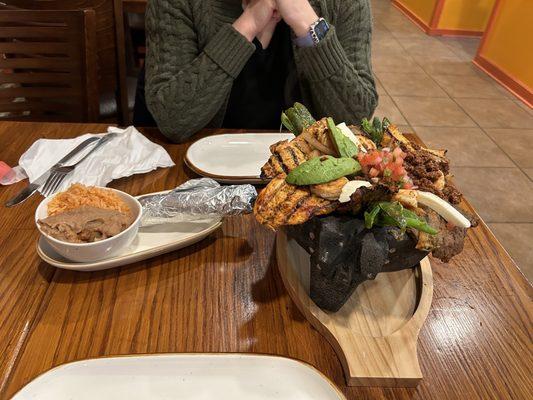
x=32, y=187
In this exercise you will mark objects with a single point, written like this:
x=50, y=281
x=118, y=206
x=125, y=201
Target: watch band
x=317, y=31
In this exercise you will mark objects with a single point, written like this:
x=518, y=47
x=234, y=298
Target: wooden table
x=225, y=295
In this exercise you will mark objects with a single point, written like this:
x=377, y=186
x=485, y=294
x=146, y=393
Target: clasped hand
x=260, y=18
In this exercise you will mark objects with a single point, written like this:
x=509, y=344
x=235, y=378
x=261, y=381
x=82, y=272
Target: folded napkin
x=126, y=154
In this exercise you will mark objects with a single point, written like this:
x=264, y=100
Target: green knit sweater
x=194, y=54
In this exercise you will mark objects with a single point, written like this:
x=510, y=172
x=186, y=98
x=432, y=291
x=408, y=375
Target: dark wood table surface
x=225, y=294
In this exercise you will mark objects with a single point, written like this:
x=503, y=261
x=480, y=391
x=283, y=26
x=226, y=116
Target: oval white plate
x=233, y=158
x=151, y=241
x=183, y=376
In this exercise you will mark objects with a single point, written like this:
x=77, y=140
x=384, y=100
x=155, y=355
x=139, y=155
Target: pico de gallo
x=386, y=166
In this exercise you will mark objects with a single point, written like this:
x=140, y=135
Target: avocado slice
x=345, y=147
x=322, y=170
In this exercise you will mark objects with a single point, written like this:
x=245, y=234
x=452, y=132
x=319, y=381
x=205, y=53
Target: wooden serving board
x=375, y=333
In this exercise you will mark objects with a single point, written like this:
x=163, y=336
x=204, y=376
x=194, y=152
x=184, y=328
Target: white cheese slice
x=443, y=208
x=350, y=188
x=350, y=135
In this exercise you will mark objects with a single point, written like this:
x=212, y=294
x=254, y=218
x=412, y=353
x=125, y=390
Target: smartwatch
x=317, y=32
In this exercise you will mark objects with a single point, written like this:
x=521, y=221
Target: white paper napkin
x=126, y=154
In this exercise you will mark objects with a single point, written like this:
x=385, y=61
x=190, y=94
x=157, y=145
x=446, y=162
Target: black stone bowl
x=344, y=254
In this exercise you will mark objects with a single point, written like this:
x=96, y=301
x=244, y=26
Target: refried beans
x=86, y=224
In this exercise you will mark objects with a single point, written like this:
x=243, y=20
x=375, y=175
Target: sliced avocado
x=322, y=170
x=345, y=147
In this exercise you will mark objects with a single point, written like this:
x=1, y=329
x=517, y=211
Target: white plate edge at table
x=61, y=373
x=235, y=179
x=126, y=259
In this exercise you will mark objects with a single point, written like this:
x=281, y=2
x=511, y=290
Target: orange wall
x=423, y=9
x=466, y=15
x=508, y=43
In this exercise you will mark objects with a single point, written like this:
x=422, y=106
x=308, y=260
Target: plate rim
x=201, y=172
x=302, y=363
x=105, y=262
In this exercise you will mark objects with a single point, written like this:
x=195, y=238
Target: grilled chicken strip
x=312, y=142
x=285, y=157
x=283, y=204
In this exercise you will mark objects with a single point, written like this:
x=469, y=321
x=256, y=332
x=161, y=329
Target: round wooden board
x=375, y=333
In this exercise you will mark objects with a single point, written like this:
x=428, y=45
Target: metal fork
x=60, y=171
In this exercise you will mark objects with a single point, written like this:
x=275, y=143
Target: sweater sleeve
x=185, y=85
x=339, y=68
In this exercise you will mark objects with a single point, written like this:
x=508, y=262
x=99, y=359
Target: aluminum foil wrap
x=197, y=199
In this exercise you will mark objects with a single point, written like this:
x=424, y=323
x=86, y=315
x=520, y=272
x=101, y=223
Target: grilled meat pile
x=430, y=172
x=397, y=179
x=429, y=169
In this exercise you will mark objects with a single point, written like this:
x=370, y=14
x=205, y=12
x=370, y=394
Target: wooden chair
x=115, y=99
x=48, y=65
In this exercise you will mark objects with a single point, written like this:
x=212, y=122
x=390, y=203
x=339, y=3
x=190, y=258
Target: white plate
x=183, y=377
x=151, y=241
x=233, y=158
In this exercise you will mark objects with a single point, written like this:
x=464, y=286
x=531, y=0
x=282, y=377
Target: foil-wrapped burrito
x=197, y=199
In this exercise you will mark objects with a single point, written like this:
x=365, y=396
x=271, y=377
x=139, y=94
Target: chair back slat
x=48, y=65
x=59, y=63
x=34, y=32
x=39, y=77
x=110, y=43
x=37, y=105
x=34, y=47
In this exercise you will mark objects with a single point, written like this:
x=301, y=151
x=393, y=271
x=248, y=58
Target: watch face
x=321, y=29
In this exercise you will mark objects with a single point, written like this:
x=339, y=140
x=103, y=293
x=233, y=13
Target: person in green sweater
x=238, y=64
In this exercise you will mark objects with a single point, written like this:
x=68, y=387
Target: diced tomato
x=373, y=172
x=408, y=185
x=387, y=166
x=397, y=153
x=390, y=165
x=372, y=158
x=396, y=176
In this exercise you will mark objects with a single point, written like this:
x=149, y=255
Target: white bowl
x=95, y=251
